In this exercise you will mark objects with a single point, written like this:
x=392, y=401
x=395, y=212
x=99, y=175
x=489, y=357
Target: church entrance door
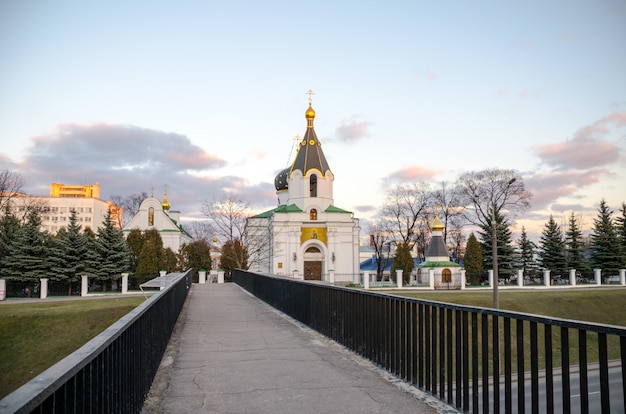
x=312, y=270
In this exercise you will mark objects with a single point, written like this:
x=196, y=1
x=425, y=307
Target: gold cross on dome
x=310, y=93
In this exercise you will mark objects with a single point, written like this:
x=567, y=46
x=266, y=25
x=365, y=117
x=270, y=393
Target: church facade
x=306, y=236
x=155, y=214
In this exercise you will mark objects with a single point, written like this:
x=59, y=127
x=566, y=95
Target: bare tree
x=228, y=216
x=11, y=184
x=451, y=213
x=130, y=204
x=201, y=230
x=380, y=240
x=488, y=193
x=405, y=211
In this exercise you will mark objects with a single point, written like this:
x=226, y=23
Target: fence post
x=431, y=279
x=43, y=292
x=3, y=289
x=162, y=272
x=622, y=279
x=572, y=277
x=399, y=278
x=331, y=276
x=84, y=285
x=597, y=274
x=202, y=276
x=490, y=278
x=520, y=277
x=462, y=279
x=366, y=279
x=546, y=277
x=124, y=283
x=220, y=276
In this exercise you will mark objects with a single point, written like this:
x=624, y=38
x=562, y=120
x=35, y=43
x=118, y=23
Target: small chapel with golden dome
x=306, y=235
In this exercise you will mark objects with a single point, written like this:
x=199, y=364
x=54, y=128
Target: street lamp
x=494, y=255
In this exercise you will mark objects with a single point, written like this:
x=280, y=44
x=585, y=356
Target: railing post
x=124, y=283
x=463, y=279
x=572, y=277
x=43, y=292
x=597, y=274
x=399, y=278
x=366, y=279
x=520, y=277
x=84, y=285
x=546, y=277
x=202, y=276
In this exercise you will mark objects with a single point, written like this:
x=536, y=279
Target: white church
x=306, y=235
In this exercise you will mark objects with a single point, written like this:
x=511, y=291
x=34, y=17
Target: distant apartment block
x=57, y=208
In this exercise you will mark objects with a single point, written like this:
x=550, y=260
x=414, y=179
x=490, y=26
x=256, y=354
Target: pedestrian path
x=232, y=353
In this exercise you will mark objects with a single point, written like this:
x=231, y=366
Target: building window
x=151, y=216
x=313, y=185
x=446, y=276
x=313, y=214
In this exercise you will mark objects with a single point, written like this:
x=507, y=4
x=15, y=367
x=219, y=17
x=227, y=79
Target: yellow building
x=86, y=191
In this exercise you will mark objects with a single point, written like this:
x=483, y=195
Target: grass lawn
x=34, y=336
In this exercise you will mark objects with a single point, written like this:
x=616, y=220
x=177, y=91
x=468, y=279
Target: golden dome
x=310, y=113
x=436, y=225
x=164, y=203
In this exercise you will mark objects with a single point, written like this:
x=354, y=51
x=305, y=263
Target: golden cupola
x=436, y=225
x=165, y=204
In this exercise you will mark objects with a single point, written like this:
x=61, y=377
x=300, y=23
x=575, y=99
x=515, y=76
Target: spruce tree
x=150, y=259
x=71, y=257
x=112, y=251
x=506, y=252
x=9, y=227
x=552, y=248
x=28, y=253
x=604, y=241
x=527, y=249
x=620, y=228
x=473, y=261
x=134, y=241
x=575, y=247
x=195, y=255
x=402, y=260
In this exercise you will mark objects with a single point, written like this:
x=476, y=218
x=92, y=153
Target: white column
x=597, y=274
x=43, y=292
x=84, y=285
x=431, y=279
x=296, y=274
x=622, y=280
x=399, y=277
x=463, y=281
x=366, y=280
x=162, y=272
x=490, y=278
x=124, y=283
x=220, y=276
x=520, y=277
x=331, y=275
x=202, y=277
x=546, y=277
x=3, y=289
x=572, y=277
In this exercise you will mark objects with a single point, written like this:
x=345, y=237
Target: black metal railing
x=113, y=372
x=476, y=359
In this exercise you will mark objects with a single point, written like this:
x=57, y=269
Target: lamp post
x=494, y=255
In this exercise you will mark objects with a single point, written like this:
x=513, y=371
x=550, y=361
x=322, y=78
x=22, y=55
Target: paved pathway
x=232, y=353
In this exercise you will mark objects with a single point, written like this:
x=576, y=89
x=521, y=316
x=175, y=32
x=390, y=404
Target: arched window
x=313, y=185
x=312, y=249
x=151, y=216
x=313, y=214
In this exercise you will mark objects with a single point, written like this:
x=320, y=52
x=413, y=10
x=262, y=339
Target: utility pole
x=494, y=255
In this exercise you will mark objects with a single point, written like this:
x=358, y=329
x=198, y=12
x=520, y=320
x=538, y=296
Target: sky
x=206, y=97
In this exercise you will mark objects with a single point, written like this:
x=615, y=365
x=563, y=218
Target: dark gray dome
x=280, y=182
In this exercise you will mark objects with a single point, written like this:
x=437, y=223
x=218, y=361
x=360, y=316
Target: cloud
x=547, y=188
x=412, y=173
x=586, y=149
x=127, y=159
x=352, y=131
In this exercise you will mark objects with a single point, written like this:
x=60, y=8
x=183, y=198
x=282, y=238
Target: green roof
x=438, y=264
x=333, y=209
x=291, y=208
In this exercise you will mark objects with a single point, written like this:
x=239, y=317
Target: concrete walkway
x=232, y=353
